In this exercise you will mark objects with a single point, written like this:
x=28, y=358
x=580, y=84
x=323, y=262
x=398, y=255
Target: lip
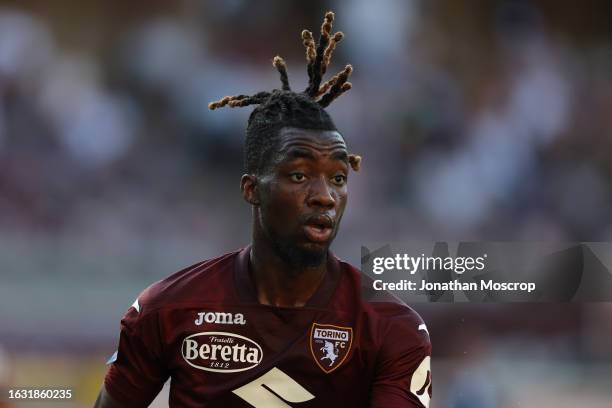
x=317, y=233
x=319, y=228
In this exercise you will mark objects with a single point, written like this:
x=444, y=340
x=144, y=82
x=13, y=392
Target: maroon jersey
x=203, y=328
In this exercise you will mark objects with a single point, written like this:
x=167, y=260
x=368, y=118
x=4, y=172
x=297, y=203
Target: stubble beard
x=298, y=258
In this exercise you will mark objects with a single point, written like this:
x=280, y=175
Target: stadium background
x=477, y=120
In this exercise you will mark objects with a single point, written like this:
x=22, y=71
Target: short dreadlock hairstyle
x=285, y=108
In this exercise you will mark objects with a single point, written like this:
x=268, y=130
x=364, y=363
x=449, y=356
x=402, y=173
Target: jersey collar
x=246, y=287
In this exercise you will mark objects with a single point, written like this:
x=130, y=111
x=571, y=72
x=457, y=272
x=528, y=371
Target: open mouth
x=319, y=228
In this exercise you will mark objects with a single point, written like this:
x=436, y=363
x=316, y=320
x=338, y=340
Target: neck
x=279, y=283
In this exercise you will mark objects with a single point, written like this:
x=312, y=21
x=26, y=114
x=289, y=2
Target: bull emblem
x=330, y=353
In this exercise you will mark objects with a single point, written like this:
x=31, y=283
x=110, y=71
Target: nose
x=321, y=194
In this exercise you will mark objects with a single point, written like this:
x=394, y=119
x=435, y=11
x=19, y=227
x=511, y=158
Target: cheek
x=342, y=200
x=341, y=196
x=284, y=205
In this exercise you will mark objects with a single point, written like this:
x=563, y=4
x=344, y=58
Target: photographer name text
x=407, y=285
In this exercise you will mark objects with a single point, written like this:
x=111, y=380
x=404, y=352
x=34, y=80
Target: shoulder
x=398, y=321
x=191, y=284
x=390, y=316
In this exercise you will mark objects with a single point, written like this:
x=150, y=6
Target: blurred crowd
x=480, y=128
x=480, y=120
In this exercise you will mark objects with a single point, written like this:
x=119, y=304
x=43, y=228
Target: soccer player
x=282, y=322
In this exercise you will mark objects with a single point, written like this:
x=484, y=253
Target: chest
x=255, y=356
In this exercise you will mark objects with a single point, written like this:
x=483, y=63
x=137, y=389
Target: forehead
x=322, y=140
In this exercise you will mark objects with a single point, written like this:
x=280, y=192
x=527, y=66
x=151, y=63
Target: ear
x=250, y=189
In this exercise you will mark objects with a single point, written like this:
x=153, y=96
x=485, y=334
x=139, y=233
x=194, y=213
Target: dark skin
x=297, y=203
x=305, y=186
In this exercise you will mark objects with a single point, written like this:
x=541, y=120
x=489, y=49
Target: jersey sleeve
x=138, y=373
x=403, y=373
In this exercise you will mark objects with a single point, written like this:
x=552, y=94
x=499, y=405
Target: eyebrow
x=297, y=153
x=340, y=155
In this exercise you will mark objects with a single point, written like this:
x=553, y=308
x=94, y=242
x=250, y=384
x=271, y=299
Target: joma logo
x=219, y=318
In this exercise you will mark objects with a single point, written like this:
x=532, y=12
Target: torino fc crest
x=330, y=345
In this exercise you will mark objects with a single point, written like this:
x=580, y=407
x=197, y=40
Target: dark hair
x=286, y=108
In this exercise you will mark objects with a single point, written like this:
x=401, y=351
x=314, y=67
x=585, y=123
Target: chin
x=315, y=251
x=305, y=255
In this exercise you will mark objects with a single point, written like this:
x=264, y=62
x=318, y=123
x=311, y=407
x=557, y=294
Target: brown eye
x=297, y=177
x=339, y=179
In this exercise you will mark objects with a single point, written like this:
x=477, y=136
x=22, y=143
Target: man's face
x=303, y=194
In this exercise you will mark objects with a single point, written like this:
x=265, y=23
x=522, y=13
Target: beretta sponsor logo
x=221, y=352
